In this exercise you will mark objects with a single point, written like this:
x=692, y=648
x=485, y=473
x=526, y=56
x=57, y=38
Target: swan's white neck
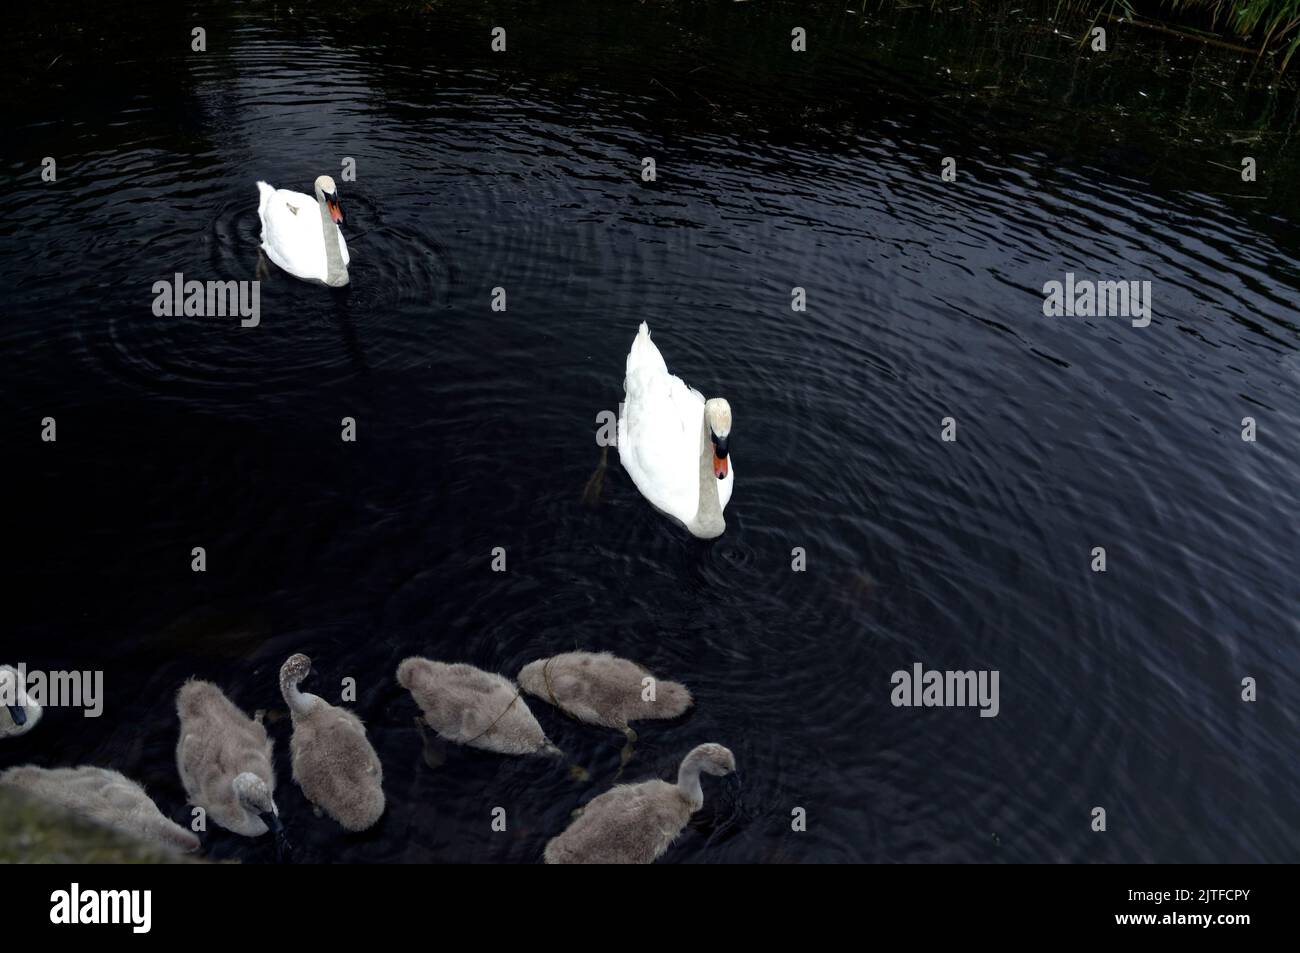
x=688, y=783
x=708, y=522
x=335, y=273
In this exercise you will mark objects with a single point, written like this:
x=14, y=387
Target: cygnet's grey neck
x=688, y=782
x=299, y=702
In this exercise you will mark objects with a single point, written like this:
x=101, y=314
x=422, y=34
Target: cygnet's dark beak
x=18, y=713
x=283, y=849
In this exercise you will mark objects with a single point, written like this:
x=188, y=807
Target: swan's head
x=295, y=668
x=713, y=759
x=718, y=414
x=18, y=713
x=327, y=193
x=255, y=797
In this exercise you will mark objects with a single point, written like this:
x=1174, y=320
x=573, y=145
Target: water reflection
x=476, y=430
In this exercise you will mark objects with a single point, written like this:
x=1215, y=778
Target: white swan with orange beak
x=301, y=234
x=673, y=442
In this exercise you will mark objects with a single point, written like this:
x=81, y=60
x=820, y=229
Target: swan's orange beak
x=719, y=455
x=335, y=210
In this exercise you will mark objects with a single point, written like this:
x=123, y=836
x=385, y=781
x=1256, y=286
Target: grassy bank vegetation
x=1265, y=27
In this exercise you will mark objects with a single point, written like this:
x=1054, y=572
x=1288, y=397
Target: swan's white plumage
x=659, y=433
x=293, y=235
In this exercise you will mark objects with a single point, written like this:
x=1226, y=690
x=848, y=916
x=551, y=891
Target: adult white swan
x=301, y=235
x=673, y=442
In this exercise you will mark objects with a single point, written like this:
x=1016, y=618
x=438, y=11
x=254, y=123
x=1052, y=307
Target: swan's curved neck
x=299, y=702
x=688, y=783
x=334, y=270
x=708, y=515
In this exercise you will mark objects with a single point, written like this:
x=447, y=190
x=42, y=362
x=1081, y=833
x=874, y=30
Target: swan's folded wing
x=296, y=218
x=664, y=418
x=292, y=233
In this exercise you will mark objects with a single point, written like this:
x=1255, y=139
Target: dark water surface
x=477, y=428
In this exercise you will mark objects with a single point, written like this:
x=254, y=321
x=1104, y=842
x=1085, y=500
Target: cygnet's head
x=713, y=759
x=327, y=193
x=18, y=713
x=717, y=412
x=255, y=797
x=295, y=668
